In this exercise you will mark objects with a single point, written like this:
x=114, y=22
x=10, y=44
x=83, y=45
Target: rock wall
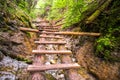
x=15, y=43
x=94, y=68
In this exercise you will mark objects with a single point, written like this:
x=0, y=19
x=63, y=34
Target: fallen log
x=62, y=33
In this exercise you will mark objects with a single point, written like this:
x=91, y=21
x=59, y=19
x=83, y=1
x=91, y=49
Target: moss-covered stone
x=49, y=77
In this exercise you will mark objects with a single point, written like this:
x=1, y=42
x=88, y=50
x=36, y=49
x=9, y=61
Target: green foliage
x=40, y=9
x=108, y=25
x=70, y=10
x=14, y=13
x=74, y=12
x=105, y=46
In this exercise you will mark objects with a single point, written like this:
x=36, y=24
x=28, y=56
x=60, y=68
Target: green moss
x=49, y=77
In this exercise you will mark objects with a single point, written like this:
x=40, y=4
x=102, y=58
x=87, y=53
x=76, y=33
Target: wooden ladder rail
x=71, y=74
x=39, y=60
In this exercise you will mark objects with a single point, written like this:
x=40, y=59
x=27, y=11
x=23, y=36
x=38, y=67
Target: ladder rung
x=73, y=33
x=51, y=37
x=50, y=42
x=47, y=26
x=53, y=27
x=51, y=52
x=50, y=30
x=40, y=21
x=44, y=26
x=52, y=67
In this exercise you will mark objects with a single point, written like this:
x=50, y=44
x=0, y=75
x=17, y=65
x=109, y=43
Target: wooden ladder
x=38, y=66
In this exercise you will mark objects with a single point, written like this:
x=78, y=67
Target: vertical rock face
x=16, y=43
x=93, y=68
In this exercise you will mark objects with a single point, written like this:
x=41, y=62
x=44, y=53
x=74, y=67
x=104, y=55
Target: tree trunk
x=97, y=12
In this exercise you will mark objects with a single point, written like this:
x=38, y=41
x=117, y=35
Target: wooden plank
x=28, y=29
x=52, y=67
x=74, y=33
x=51, y=37
x=51, y=42
x=63, y=33
x=49, y=27
x=40, y=21
x=50, y=30
x=51, y=52
x=54, y=28
x=44, y=26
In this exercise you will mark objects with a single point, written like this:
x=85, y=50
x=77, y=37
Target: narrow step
x=50, y=30
x=47, y=27
x=51, y=37
x=52, y=67
x=51, y=42
x=40, y=21
x=54, y=28
x=51, y=52
x=44, y=26
x=73, y=33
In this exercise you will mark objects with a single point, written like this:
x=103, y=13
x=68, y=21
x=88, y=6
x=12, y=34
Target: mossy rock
x=49, y=77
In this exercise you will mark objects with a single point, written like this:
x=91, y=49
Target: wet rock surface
x=14, y=42
x=11, y=69
x=11, y=45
